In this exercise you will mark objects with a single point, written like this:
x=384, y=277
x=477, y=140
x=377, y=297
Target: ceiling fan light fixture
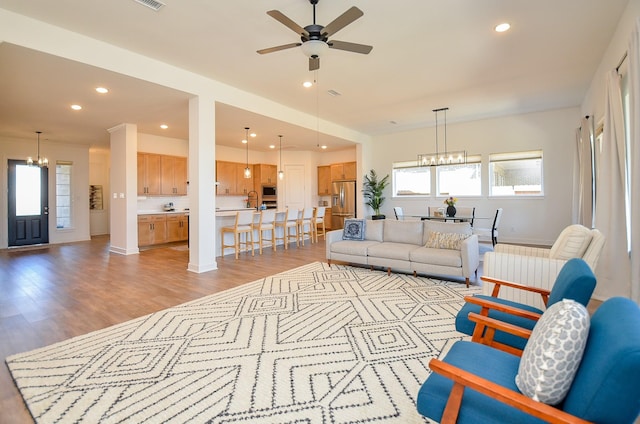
x=314, y=48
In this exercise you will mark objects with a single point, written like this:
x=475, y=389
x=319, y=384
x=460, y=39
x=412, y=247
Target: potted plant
x=373, y=189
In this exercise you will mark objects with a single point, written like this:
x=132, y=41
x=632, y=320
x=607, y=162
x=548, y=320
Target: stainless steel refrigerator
x=343, y=202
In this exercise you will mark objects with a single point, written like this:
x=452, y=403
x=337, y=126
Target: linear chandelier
x=445, y=157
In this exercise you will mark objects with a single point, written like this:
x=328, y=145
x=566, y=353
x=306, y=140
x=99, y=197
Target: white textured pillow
x=451, y=241
x=572, y=242
x=553, y=353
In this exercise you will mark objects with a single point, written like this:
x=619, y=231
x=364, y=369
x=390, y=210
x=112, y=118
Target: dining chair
x=492, y=232
x=305, y=225
x=243, y=226
x=436, y=211
x=318, y=220
x=466, y=211
x=267, y=224
x=399, y=212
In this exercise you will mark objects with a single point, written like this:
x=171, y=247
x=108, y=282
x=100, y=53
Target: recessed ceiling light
x=252, y=135
x=244, y=141
x=307, y=84
x=323, y=147
x=164, y=126
x=76, y=107
x=272, y=146
x=503, y=27
x=102, y=90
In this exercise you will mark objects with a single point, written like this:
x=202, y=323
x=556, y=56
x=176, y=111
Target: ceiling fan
x=315, y=38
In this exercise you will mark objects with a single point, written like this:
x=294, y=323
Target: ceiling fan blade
x=314, y=63
x=350, y=47
x=280, y=17
x=278, y=48
x=342, y=21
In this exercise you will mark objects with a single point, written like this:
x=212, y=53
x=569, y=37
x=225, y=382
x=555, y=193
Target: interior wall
x=99, y=168
x=12, y=148
x=534, y=220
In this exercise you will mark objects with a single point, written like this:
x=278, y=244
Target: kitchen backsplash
x=180, y=203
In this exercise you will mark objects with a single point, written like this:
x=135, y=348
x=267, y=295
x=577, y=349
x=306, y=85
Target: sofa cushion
x=451, y=241
x=444, y=227
x=374, y=229
x=403, y=232
x=353, y=229
x=553, y=353
x=431, y=256
x=352, y=247
x=572, y=242
x=390, y=250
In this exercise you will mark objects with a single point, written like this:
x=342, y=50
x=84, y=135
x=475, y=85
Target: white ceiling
x=426, y=54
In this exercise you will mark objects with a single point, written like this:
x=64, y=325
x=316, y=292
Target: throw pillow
x=452, y=241
x=553, y=353
x=353, y=229
x=572, y=242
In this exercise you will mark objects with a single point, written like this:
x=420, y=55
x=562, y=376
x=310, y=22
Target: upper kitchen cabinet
x=265, y=174
x=324, y=180
x=149, y=179
x=226, y=173
x=343, y=171
x=243, y=185
x=173, y=170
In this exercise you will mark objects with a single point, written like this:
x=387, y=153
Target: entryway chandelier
x=445, y=157
x=41, y=162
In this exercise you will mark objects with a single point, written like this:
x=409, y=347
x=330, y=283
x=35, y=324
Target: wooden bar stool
x=243, y=225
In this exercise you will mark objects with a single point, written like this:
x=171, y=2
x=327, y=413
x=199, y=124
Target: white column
x=202, y=177
x=124, y=189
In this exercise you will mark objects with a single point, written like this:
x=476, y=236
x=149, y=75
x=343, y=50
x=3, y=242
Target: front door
x=28, y=214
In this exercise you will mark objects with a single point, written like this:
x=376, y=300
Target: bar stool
x=305, y=221
x=267, y=223
x=318, y=219
x=243, y=225
x=285, y=224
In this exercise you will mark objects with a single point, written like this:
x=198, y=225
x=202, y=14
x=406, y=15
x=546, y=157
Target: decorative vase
x=451, y=211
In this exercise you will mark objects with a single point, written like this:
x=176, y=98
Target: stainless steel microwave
x=269, y=191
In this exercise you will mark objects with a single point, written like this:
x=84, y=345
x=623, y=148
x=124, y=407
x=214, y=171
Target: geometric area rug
x=316, y=344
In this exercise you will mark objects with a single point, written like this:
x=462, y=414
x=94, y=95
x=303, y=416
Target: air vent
x=333, y=93
x=152, y=4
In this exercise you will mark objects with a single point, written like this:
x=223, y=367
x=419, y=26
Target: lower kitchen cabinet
x=177, y=227
x=162, y=228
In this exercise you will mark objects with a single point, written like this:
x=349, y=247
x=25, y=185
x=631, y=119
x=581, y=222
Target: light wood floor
x=53, y=293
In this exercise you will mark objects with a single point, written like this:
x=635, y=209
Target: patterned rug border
x=327, y=348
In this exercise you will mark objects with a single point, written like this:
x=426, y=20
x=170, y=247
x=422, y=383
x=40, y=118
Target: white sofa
x=401, y=246
x=539, y=267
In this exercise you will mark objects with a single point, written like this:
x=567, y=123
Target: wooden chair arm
x=463, y=379
x=491, y=325
x=486, y=304
x=499, y=283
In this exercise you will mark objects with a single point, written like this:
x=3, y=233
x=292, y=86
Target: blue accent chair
x=476, y=383
x=575, y=281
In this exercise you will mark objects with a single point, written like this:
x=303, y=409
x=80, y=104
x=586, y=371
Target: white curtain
x=583, y=178
x=613, y=269
x=633, y=56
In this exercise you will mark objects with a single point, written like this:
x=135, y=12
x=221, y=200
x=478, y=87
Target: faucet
x=249, y=196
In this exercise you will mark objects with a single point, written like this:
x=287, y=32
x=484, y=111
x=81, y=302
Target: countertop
x=162, y=212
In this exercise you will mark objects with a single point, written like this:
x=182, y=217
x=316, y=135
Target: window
x=411, y=180
x=460, y=180
x=63, y=194
x=515, y=174
x=626, y=107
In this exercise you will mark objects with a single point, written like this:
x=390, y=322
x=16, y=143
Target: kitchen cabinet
x=177, y=227
x=343, y=171
x=265, y=175
x=173, y=172
x=243, y=185
x=152, y=229
x=231, y=180
x=149, y=174
x=324, y=180
x=226, y=177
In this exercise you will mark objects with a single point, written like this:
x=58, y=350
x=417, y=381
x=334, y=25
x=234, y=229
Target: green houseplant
x=373, y=189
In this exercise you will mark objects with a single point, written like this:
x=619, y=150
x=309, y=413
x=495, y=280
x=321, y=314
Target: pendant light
x=281, y=172
x=247, y=170
x=41, y=162
x=446, y=157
